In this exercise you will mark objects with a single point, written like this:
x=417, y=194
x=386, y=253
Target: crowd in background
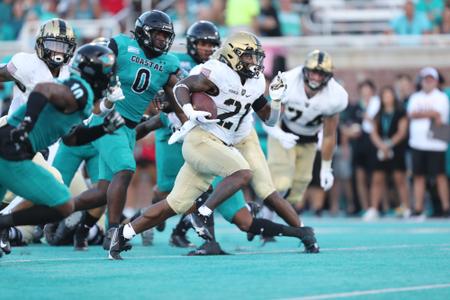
x=372, y=177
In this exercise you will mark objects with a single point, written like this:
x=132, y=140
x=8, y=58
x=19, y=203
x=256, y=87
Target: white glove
x=277, y=88
x=198, y=116
x=287, y=140
x=113, y=121
x=326, y=175
x=115, y=94
x=178, y=135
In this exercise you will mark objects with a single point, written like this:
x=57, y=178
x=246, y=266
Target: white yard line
x=244, y=251
x=374, y=292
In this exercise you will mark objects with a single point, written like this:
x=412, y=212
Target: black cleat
x=107, y=239
x=309, y=240
x=208, y=248
x=199, y=222
x=5, y=246
x=118, y=244
x=80, y=238
x=254, y=209
x=180, y=241
x=267, y=239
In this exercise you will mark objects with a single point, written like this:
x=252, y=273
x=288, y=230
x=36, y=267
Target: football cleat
x=107, y=240
x=5, y=246
x=118, y=243
x=309, y=240
x=254, y=209
x=180, y=241
x=80, y=238
x=147, y=237
x=161, y=226
x=199, y=222
x=208, y=248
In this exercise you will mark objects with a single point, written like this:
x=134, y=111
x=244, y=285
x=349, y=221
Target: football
x=201, y=101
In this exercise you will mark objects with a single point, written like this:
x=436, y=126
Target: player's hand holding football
x=277, y=88
x=198, y=116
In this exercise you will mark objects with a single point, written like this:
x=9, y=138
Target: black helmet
x=150, y=22
x=201, y=30
x=97, y=65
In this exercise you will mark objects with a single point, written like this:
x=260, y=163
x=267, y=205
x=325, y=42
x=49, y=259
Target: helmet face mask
x=55, y=43
x=154, y=32
x=203, y=39
x=317, y=70
x=97, y=65
x=244, y=54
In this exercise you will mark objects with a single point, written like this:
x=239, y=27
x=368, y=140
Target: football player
x=234, y=82
x=66, y=105
x=313, y=100
x=54, y=47
x=144, y=68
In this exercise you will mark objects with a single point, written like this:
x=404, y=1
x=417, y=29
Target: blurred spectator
x=444, y=26
x=112, y=7
x=390, y=127
x=268, y=22
x=84, y=9
x=433, y=9
x=14, y=17
x=242, y=15
x=289, y=20
x=404, y=87
x=363, y=149
x=428, y=106
x=411, y=22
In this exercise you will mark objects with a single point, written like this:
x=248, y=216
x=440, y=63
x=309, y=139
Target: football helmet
x=201, y=31
x=55, y=43
x=320, y=62
x=243, y=52
x=146, y=28
x=100, y=41
x=97, y=65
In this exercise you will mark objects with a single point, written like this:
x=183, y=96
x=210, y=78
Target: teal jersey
x=52, y=123
x=141, y=77
x=186, y=64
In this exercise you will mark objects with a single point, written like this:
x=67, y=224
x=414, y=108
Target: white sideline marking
x=374, y=292
x=5, y=260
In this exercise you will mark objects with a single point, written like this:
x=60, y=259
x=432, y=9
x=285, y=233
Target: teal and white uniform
x=141, y=78
x=27, y=179
x=169, y=158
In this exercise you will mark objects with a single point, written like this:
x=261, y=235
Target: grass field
x=390, y=259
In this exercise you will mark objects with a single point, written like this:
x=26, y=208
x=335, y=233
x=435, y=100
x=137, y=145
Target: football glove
x=113, y=121
x=287, y=140
x=20, y=133
x=326, y=176
x=277, y=88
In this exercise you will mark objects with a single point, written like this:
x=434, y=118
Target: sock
x=182, y=226
x=136, y=215
x=210, y=226
x=269, y=228
x=205, y=211
x=34, y=215
x=89, y=220
x=128, y=231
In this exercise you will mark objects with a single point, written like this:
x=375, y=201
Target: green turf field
x=390, y=259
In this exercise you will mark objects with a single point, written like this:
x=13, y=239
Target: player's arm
x=81, y=134
x=330, y=127
x=169, y=94
x=191, y=84
x=148, y=126
x=4, y=74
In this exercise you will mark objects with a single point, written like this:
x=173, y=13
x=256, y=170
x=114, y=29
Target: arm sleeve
x=259, y=103
x=81, y=135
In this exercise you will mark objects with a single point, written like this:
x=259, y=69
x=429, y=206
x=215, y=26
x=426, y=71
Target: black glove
x=20, y=133
x=113, y=121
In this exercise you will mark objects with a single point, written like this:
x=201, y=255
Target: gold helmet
x=243, y=53
x=55, y=43
x=320, y=62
